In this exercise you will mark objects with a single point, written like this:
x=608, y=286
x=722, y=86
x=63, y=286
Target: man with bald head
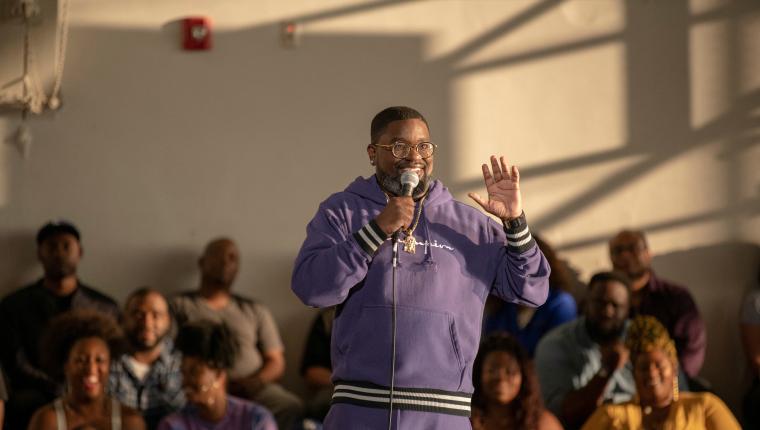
x=671, y=304
x=261, y=360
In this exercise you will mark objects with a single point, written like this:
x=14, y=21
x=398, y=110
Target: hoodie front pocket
x=427, y=348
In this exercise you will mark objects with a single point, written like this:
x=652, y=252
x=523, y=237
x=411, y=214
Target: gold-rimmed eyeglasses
x=401, y=149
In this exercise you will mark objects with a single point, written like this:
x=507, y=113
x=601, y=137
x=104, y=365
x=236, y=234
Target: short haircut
x=143, y=292
x=53, y=228
x=613, y=276
x=638, y=233
x=68, y=328
x=390, y=114
x=213, y=343
x=140, y=294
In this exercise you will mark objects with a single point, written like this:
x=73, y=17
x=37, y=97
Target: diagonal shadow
x=750, y=207
x=510, y=25
x=539, y=54
x=739, y=118
x=727, y=11
x=700, y=137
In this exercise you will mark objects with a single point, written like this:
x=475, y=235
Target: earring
x=675, y=390
x=372, y=161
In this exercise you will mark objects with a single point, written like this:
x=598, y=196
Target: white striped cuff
x=370, y=237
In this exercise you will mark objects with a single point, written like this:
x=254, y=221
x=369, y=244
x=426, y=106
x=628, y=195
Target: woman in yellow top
x=658, y=404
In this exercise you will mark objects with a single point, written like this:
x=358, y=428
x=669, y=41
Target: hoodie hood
x=369, y=188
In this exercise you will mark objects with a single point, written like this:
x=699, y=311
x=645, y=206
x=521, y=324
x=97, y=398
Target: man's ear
x=372, y=153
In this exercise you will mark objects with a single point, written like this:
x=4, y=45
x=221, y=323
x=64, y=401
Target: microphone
x=409, y=181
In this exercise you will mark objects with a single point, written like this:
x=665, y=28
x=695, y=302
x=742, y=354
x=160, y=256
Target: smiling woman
x=77, y=351
x=659, y=404
x=507, y=394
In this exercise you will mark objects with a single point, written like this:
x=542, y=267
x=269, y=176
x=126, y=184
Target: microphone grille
x=409, y=178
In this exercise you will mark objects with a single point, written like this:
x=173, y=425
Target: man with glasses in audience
x=671, y=304
x=408, y=336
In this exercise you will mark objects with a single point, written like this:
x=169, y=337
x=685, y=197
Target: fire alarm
x=196, y=33
x=290, y=34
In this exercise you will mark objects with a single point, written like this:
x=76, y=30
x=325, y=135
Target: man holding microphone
x=407, y=324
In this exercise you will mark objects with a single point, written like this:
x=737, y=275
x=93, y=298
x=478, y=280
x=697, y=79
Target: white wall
x=621, y=114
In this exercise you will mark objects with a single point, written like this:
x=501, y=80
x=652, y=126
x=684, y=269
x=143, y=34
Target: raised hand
x=503, y=187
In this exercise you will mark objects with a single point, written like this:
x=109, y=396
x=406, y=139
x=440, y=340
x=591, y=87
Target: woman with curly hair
x=77, y=350
x=208, y=351
x=506, y=394
x=658, y=404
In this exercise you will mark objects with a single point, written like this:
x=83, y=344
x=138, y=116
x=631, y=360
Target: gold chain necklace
x=410, y=243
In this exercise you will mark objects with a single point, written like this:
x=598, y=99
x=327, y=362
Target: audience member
x=77, y=349
x=507, y=395
x=260, y=360
x=208, y=352
x=147, y=377
x=316, y=367
x=25, y=314
x=671, y=304
x=750, y=334
x=583, y=363
x=3, y=396
x=528, y=324
x=659, y=404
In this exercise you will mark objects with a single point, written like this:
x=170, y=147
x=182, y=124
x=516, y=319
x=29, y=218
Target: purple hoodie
x=462, y=256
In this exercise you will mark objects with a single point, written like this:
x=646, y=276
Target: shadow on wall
x=718, y=288
x=18, y=260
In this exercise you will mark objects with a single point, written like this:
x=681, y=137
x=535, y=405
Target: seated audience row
x=581, y=362
x=507, y=395
x=629, y=254
x=658, y=403
x=147, y=377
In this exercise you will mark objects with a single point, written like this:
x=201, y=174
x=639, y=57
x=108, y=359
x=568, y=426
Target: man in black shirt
x=24, y=315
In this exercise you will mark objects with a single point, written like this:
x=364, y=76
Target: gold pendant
x=410, y=243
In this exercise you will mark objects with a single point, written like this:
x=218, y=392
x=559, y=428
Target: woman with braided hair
x=658, y=404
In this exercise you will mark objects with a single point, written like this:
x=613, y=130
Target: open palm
x=503, y=187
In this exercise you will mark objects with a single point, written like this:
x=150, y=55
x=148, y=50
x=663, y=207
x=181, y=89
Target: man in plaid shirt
x=148, y=378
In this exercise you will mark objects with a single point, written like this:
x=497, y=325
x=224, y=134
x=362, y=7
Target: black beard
x=59, y=272
x=394, y=187
x=601, y=336
x=138, y=346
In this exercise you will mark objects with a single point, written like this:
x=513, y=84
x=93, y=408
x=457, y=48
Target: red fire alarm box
x=196, y=33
